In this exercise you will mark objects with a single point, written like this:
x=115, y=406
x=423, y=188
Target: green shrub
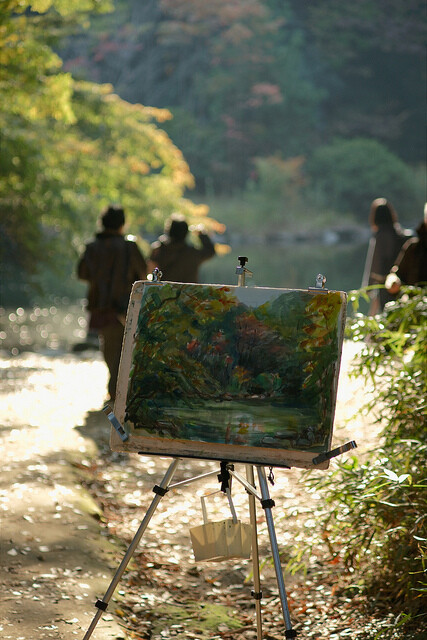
x=374, y=512
x=347, y=175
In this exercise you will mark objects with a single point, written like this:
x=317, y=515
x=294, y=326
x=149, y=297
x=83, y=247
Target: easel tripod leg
x=256, y=593
x=160, y=491
x=267, y=504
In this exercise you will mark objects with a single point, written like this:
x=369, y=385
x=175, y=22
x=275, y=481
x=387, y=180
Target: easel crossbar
x=249, y=487
x=190, y=480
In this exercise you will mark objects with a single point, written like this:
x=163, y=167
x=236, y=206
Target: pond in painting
x=244, y=366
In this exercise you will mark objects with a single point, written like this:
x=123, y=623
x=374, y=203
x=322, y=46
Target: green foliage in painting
x=204, y=350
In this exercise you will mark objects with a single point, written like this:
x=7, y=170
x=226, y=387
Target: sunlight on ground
x=352, y=393
x=54, y=397
x=44, y=398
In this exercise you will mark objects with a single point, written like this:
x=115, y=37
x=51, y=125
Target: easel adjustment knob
x=155, y=275
x=319, y=287
x=160, y=491
x=242, y=271
x=100, y=604
x=267, y=504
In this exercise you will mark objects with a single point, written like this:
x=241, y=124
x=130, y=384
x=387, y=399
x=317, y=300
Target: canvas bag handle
x=230, y=502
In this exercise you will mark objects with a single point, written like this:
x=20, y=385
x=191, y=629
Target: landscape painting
x=230, y=373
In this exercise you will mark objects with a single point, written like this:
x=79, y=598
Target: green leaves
x=333, y=168
x=63, y=7
x=383, y=501
x=70, y=148
x=395, y=478
x=394, y=356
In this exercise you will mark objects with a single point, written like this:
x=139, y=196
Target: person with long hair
x=384, y=246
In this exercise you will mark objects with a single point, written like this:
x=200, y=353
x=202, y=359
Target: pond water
x=54, y=327
x=249, y=423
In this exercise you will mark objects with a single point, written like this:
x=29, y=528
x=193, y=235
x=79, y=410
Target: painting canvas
x=230, y=373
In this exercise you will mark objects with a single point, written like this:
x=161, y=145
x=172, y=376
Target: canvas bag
x=216, y=541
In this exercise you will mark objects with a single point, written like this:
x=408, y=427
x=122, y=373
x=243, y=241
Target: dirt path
x=53, y=557
x=57, y=558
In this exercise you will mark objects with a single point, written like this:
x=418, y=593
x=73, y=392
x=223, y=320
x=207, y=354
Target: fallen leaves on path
x=165, y=594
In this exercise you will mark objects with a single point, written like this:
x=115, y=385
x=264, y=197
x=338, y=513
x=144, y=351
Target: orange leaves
x=325, y=308
x=322, y=311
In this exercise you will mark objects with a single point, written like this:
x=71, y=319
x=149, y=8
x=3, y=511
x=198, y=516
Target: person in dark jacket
x=177, y=260
x=411, y=264
x=386, y=241
x=110, y=264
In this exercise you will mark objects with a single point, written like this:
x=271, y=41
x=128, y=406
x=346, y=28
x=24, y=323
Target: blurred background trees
x=278, y=116
x=248, y=79
x=69, y=148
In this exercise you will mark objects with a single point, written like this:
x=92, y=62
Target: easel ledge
x=206, y=451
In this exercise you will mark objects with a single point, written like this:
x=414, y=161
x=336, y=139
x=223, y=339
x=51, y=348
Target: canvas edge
x=201, y=450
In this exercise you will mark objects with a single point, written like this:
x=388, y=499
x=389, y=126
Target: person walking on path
x=384, y=246
x=411, y=264
x=110, y=264
x=177, y=260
